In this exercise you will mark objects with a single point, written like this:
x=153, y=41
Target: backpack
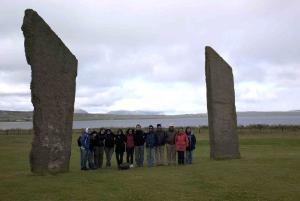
x=124, y=166
x=192, y=142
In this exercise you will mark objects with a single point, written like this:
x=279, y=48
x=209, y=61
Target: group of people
x=94, y=144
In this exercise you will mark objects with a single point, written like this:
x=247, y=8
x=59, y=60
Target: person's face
x=159, y=128
x=102, y=131
x=108, y=132
x=150, y=129
x=171, y=128
x=188, y=130
x=180, y=129
x=138, y=127
x=130, y=131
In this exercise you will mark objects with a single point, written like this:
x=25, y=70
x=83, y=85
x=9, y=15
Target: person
x=170, y=145
x=191, y=145
x=129, y=146
x=160, y=145
x=83, y=143
x=139, y=141
x=99, y=148
x=181, y=141
x=120, y=140
x=109, y=146
x=92, y=136
x=150, y=139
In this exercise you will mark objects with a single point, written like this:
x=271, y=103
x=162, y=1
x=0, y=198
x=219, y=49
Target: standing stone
x=53, y=85
x=224, y=142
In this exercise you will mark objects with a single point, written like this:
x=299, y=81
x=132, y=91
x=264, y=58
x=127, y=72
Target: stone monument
x=224, y=142
x=53, y=86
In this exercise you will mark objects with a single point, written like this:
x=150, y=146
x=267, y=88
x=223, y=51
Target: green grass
x=268, y=170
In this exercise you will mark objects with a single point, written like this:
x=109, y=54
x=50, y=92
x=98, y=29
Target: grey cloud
x=160, y=41
x=16, y=102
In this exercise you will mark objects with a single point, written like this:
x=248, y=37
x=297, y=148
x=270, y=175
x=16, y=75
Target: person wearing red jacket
x=181, y=141
x=129, y=146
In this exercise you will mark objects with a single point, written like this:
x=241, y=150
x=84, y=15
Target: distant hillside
x=81, y=115
x=25, y=115
x=15, y=115
x=137, y=112
x=80, y=111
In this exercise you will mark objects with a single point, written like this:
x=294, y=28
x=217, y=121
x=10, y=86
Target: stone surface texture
x=53, y=86
x=224, y=142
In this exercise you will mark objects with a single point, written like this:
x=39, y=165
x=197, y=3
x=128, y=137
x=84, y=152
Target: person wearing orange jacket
x=181, y=141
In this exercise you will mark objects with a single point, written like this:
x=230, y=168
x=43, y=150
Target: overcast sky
x=149, y=55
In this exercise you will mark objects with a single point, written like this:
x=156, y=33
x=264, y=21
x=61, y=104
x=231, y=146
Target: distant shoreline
x=184, y=121
x=19, y=116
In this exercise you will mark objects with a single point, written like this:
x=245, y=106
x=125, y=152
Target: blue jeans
x=139, y=155
x=150, y=156
x=91, y=159
x=189, y=157
x=83, y=157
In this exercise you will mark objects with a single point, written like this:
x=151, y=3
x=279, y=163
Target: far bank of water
x=199, y=121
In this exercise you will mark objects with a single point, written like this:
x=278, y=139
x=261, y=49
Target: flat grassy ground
x=269, y=170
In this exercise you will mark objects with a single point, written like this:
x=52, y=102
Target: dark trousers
x=98, y=156
x=129, y=155
x=108, y=153
x=119, y=157
x=180, y=157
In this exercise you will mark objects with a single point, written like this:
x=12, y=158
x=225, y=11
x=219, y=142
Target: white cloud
x=131, y=51
x=169, y=98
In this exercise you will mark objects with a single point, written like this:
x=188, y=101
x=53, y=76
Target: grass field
x=268, y=170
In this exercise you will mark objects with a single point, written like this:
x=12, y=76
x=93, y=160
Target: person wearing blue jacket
x=191, y=145
x=151, y=140
x=84, y=144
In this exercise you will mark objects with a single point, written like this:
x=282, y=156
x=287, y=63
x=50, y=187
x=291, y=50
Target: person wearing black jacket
x=160, y=145
x=139, y=140
x=109, y=146
x=99, y=148
x=120, y=141
x=91, y=152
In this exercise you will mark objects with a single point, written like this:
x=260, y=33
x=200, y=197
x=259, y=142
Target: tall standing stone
x=224, y=142
x=53, y=85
